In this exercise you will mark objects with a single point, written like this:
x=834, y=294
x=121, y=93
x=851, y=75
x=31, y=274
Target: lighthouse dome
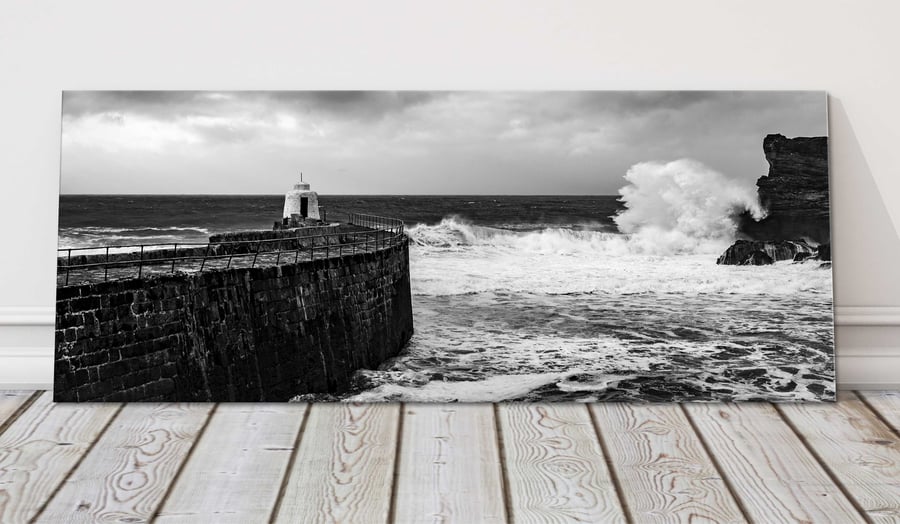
x=301, y=201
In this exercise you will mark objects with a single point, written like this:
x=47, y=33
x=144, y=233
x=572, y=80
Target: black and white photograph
x=444, y=246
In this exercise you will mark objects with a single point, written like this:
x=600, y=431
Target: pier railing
x=95, y=264
x=377, y=222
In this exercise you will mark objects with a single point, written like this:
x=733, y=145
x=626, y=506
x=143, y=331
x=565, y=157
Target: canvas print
x=477, y=246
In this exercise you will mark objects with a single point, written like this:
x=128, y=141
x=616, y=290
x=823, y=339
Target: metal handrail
x=384, y=232
x=377, y=222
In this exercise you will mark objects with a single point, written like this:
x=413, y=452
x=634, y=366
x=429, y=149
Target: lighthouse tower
x=301, y=201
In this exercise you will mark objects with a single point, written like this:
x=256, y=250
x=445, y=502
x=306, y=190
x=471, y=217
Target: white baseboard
x=867, y=339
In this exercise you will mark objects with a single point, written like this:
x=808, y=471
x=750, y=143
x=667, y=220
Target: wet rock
x=749, y=373
x=739, y=253
x=824, y=252
x=785, y=388
x=757, y=258
x=817, y=389
x=800, y=257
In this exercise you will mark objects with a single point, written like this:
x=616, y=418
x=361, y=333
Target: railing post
x=141, y=263
x=253, y=264
x=68, y=265
x=106, y=266
x=205, y=254
x=230, y=256
x=174, y=256
x=278, y=258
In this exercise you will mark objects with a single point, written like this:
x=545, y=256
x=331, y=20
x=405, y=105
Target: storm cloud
x=405, y=142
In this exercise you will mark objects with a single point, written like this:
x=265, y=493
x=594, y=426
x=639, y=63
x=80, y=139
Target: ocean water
x=552, y=297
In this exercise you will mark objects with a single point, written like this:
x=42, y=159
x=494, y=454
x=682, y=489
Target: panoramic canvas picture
x=444, y=247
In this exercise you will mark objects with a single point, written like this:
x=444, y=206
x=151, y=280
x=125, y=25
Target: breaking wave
x=679, y=207
x=682, y=206
x=454, y=232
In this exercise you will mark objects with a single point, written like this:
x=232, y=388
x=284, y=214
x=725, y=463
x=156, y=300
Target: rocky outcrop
x=740, y=252
x=795, y=197
x=760, y=253
x=757, y=258
x=794, y=193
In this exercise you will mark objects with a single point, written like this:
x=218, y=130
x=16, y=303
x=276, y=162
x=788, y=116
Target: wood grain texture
x=39, y=450
x=128, y=472
x=343, y=470
x=449, y=466
x=861, y=452
x=236, y=469
x=663, y=469
x=886, y=404
x=769, y=469
x=556, y=470
x=10, y=404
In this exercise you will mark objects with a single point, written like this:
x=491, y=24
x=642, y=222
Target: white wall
x=848, y=48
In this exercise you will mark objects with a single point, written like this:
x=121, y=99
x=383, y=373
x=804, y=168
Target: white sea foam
x=455, y=257
x=682, y=207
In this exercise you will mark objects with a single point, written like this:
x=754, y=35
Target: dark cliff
x=794, y=193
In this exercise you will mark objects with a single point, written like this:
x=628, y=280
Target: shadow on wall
x=866, y=246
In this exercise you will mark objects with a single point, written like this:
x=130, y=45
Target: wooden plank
x=664, y=472
x=10, y=404
x=449, y=466
x=886, y=405
x=344, y=467
x=236, y=469
x=39, y=450
x=775, y=478
x=861, y=452
x=128, y=472
x=555, y=466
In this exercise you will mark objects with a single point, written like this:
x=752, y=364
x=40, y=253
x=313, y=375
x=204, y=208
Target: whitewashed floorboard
x=886, y=404
x=128, y=472
x=861, y=452
x=773, y=475
x=343, y=470
x=40, y=448
x=449, y=469
x=555, y=468
x=664, y=471
x=236, y=469
x=11, y=402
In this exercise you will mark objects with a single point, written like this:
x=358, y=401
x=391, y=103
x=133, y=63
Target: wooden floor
x=450, y=463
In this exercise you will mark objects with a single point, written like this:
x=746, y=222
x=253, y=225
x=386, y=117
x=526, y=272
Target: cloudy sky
x=354, y=142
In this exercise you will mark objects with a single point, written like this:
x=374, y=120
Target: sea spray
x=455, y=232
x=682, y=206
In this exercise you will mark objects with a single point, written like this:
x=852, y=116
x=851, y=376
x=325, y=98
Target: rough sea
x=550, y=297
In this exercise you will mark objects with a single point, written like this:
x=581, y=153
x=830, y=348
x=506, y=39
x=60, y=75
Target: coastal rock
x=824, y=253
x=757, y=258
x=740, y=252
x=794, y=192
x=800, y=257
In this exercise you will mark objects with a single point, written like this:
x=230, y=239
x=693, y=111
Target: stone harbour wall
x=249, y=334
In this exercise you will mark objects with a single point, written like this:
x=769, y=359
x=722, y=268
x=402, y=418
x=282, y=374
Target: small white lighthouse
x=301, y=201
